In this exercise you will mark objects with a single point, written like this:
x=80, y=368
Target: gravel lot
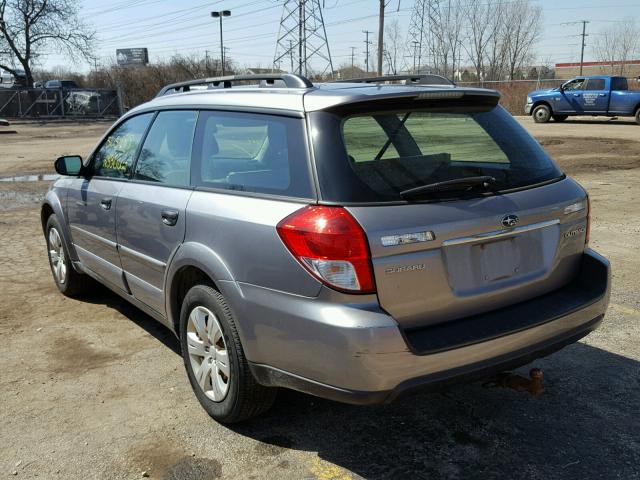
x=94, y=388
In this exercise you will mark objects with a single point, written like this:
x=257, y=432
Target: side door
x=570, y=98
x=151, y=206
x=91, y=200
x=595, y=96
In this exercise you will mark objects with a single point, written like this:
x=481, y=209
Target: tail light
x=329, y=243
x=586, y=237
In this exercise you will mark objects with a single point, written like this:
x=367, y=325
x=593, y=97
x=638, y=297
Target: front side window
x=577, y=84
x=252, y=152
x=116, y=155
x=166, y=154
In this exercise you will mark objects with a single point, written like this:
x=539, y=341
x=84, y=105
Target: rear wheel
x=68, y=280
x=560, y=118
x=541, y=114
x=214, y=359
x=638, y=116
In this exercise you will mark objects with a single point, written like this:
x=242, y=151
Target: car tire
x=541, y=114
x=560, y=118
x=69, y=281
x=214, y=359
x=638, y=116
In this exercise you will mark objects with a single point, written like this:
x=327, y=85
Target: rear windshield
x=382, y=154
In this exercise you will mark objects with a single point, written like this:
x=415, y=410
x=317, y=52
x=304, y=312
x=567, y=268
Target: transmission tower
x=420, y=39
x=302, y=37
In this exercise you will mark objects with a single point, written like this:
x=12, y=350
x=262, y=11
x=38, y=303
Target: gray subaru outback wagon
x=351, y=240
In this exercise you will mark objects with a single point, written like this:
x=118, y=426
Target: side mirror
x=562, y=87
x=69, y=165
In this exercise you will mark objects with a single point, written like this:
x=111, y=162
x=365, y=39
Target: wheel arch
x=192, y=264
x=51, y=205
x=541, y=102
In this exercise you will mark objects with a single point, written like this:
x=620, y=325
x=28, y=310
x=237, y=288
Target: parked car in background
x=64, y=84
x=8, y=80
x=602, y=95
x=354, y=241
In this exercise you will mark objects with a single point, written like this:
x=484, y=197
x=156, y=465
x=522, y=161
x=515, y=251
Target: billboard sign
x=132, y=56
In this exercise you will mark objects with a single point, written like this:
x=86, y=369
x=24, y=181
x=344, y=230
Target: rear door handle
x=576, y=94
x=603, y=94
x=170, y=217
x=105, y=203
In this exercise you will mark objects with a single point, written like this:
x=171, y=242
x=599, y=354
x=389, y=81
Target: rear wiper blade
x=465, y=183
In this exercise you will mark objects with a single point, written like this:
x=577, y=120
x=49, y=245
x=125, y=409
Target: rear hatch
x=463, y=211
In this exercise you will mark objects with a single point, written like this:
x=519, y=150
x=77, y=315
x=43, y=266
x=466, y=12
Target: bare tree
x=27, y=27
x=617, y=44
x=393, y=45
x=523, y=27
x=482, y=28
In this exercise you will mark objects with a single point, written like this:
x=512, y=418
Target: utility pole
x=291, y=54
x=583, y=35
x=584, y=44
x=353, y=49
x=415, y=54
x=380, y=36
x=206, y=61
x=367, y=43
x=220, y=14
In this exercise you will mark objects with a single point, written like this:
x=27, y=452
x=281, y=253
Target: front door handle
x=603, y=94
x=170, y=217
x=576, y=94
x=105, y=203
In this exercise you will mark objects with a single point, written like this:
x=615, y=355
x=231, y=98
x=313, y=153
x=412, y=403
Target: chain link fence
x=46, y=103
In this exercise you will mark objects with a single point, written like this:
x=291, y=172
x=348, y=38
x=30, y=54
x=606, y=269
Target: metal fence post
x=120, y=105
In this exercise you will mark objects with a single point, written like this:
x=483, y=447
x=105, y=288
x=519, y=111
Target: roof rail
x=426, y=79
x=290, y=81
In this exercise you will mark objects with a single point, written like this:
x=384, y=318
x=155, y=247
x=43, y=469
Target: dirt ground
x=94, y=388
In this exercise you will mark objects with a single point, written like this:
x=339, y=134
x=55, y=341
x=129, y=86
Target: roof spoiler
x=290, y=81
x=427, y=79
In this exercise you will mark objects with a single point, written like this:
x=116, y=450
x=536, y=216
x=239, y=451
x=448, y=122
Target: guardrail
x=60, y=103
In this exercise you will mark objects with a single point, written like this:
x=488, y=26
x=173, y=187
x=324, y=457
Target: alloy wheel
x=208, y=353
x=57, y=257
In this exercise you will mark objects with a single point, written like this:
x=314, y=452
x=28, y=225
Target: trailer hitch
x=532, y=385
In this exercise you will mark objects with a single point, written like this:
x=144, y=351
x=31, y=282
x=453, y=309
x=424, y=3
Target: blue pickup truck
x=609, y=96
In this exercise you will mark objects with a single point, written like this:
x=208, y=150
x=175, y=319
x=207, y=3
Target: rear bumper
x=356, y=353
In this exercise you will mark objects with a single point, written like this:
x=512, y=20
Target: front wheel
x=638, y=116
x=541, y=114
x=560, y=118
x=68, y=281
x=214, y=359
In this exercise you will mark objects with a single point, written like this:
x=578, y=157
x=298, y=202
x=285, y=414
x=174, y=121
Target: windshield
x=387, y=153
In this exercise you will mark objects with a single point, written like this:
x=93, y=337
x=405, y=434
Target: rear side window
x=115, y=156
x=619, y=84
x=166, y=154
x=595, y=84
x=428, y=147
x=252, y=153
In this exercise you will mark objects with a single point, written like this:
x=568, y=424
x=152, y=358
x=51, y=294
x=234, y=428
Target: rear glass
x=389, y=152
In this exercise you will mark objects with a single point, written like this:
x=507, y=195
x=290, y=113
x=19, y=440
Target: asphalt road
x=94, y=388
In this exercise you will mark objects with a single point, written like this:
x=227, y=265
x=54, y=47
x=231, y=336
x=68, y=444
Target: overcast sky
x=168, y=27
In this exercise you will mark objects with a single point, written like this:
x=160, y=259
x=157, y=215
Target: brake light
x=329, y=243
x=586, y=237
